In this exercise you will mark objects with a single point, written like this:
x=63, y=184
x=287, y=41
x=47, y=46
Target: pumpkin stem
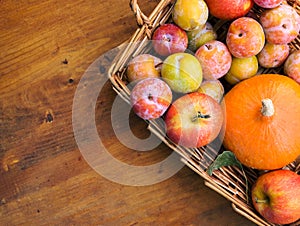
x=267, y=107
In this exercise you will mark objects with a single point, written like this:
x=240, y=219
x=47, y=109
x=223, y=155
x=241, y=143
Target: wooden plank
x=45, y=48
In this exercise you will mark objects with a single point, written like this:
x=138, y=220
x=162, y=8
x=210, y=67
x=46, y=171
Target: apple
x=143, y=66
x=276, y=196
x=229, y=9
x=281, y=24
x=268, y=4
x=215, y=59
x=273, y=55
x=292, y=66
x=150, y=98
x=182, y=72
x=190, y=14
x=168, y=39
x=245, y=37
x=200, y=36
x=194, y=120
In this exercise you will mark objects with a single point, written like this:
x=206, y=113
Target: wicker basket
x=227, y=181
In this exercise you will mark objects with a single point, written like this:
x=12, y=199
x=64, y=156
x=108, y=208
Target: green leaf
x=227, y=158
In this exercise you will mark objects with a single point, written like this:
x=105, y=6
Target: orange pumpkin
x=263, y=121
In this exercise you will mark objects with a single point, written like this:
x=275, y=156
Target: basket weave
x=228, y=181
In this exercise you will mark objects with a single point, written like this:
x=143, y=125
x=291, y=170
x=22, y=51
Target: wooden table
x=46, y=46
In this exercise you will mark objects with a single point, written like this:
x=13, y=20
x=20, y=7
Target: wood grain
x=45, y=48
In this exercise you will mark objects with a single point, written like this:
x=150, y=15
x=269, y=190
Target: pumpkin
x=263, y=121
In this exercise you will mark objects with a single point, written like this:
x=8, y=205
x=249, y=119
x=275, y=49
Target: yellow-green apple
x=194, y=120
x=292, y=66
x=229, y=9
x=190, y=14
x=200, y=36
x=245, y=37
x=241, y=69
x=182, y=72
x=150, y=98
x=276, y=196
x=281, y=24
x=268, y=4
x=143, y=66
x=273, y=55
x=168, y=39
x=213, y=88
x=215, y=59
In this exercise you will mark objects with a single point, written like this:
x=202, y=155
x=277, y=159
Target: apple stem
x=261, y=200
x=158, y=65
x=209, y=47
x=267, y=108
x=200, y=115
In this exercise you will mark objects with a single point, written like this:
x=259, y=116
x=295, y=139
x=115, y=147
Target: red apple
x=276, y=196
x=150, y=98
x=229, y=9
x=194, y=120
x=168, y=39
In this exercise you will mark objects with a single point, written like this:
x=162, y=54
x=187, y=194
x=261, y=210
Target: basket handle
x=141, y=18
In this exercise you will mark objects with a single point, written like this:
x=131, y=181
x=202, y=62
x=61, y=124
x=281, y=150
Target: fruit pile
x=202, y=82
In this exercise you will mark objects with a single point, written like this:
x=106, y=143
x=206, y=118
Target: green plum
x=182, y=72
x=200, y=36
